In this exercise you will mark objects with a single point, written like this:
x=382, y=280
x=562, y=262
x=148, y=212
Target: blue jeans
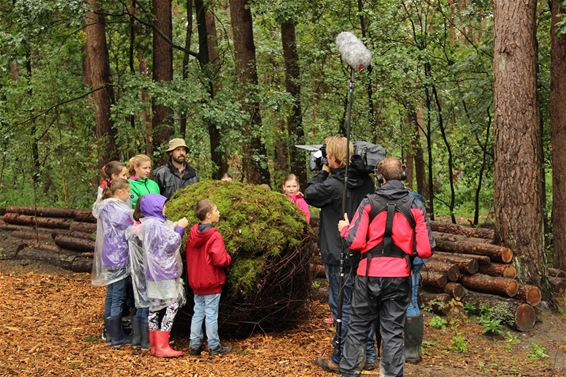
x=142, y=313
x=206, y=309
x=333, y=276
x=115, y=296
x=413, y=308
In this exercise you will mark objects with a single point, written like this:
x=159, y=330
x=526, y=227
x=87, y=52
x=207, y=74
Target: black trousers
x=386, y=299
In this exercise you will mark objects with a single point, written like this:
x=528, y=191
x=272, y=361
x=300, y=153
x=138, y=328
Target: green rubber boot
x=414, y=330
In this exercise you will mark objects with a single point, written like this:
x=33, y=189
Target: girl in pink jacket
x=291, y=188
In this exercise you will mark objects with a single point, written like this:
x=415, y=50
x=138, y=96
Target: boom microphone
x=353, y=51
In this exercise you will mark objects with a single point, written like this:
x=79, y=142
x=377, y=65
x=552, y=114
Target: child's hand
x=183, y=223
x=343, y=223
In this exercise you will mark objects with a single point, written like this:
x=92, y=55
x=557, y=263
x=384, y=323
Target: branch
x=48, y=110
x=152, y=25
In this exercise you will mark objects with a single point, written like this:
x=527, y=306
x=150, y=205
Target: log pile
x=487, y=276
x=60, y=236
x=469, y=268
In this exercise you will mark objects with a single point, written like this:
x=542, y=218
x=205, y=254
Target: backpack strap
x=387, y=248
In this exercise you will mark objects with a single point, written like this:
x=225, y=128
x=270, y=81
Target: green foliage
x=47, y=106
x=459, y=344
x=491, y=325
x=510, y=340
x=437, y=322
x=537, y=352
x=257, y=225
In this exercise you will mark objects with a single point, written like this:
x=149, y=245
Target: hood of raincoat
x=392, y=190
x=197, y=238
x=356, y=177
x=152, y=205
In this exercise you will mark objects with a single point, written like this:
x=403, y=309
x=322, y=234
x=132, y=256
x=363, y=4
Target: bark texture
x=558, y=139
x=293, y=87
x=518, y=151
x=100, y=81
x=162, y=53
x=208, y=58
x=255, y=156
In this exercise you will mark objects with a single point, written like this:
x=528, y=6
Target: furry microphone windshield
x=352, y=51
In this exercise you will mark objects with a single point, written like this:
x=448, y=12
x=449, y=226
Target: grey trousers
x=386, y=299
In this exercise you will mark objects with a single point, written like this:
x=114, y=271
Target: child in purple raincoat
x=111, y=261
x=161, y=241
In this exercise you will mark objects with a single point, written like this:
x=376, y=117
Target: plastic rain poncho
x=161, y=244
x=137, y=269
x=111, y=261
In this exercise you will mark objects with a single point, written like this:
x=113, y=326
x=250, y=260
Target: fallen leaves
x=51, y=324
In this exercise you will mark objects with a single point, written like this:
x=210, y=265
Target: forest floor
x=51, y=323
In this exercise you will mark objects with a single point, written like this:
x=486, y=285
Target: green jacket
x=140, y=187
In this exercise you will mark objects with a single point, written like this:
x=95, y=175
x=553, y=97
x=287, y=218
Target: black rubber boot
x=414, y=330
x=118, y=338
x=136, y=332
x=144, y=334
x=106, y=333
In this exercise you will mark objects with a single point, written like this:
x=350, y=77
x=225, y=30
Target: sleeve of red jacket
x=424, y=247
x=355, y=234
x=218, y=254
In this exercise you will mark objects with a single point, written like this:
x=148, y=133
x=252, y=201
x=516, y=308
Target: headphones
x=381, y=180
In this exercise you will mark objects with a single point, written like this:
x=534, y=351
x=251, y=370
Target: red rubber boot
x=162, y=347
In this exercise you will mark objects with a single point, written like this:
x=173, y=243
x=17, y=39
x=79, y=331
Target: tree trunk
x=162, y=55
x=32, y=234
x=185, y=67
x=491, y=284
x=255, y=162
x=100, y=80
x=73, y=243
x=46, y=222
x=494, y=252
x=530, y=294
x=428, y=135
x=465, y=264
x=146, y=113
x=45, y=212
x=83, y=227
x=558, y=139
x=499, y=269
x=434, y=279
x=458, y=237
x=366, y=37
x=438, y=302
x=455, y=290
x=209, y=61
x=463, y=230
x=449, y=151
x=511, y=312
x=84, y=215
x=555, y=272
x=518, y=169
x=451, y=270
x=295, y=130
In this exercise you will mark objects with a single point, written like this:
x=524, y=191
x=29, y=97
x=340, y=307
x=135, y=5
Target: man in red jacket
x=388, y=228
x=207, y=260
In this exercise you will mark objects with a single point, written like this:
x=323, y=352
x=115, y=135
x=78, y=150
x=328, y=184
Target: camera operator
x=388, y=228
x=325, y=191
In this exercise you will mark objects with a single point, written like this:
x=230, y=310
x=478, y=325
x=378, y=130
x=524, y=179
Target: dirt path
x=52, y=320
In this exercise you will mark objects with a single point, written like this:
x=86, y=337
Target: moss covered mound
x=270, y=244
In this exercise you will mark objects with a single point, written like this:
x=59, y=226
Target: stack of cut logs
x=468, y=268
x=60, y=236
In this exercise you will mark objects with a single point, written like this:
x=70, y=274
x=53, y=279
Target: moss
x=247, y=271
x=256, y=224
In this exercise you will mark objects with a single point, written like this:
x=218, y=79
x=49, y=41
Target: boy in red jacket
x=207, y=260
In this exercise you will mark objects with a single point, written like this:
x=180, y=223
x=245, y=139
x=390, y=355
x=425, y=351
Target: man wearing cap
x=176, y=173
